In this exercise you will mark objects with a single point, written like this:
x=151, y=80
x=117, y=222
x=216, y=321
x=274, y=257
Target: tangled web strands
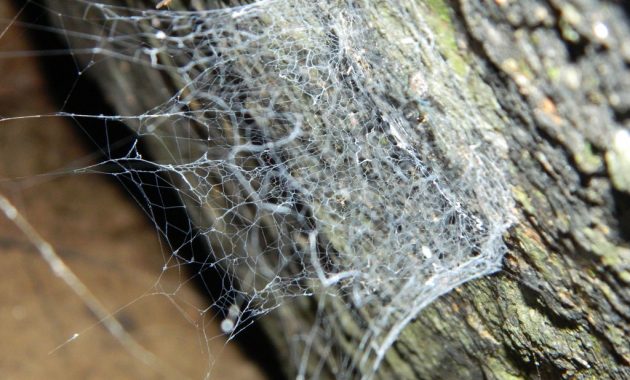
x=324, y=148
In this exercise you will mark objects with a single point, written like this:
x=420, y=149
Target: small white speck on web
x=160, y=35
x=227, y=325
x=72, y=338
x=238, y=13
x=600, y=30
x=234, y=311
x=426, y=252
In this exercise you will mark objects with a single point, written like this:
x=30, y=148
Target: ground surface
x=104, y=238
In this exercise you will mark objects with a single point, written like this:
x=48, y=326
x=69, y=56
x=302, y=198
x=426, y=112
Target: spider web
x=322, y=158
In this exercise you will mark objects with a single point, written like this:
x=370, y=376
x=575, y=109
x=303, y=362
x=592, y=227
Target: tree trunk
x=552, y=79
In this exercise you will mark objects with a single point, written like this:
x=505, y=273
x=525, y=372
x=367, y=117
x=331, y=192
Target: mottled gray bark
x=560, y=307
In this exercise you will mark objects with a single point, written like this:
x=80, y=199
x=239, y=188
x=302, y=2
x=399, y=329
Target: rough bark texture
x=560, y=308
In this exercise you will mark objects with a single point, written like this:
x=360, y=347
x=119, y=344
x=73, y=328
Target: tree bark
x=559, y=70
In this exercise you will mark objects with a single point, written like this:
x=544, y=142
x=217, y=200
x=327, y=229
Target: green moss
x=497, y=368
x=521, y=197
x=587, y=160
x=553, y=73
x=611, y=255
x=444, y=30
x=618, y=161
x=533, y=249
x=413, y=334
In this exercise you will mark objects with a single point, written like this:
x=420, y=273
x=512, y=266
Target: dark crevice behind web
x=112, y=140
